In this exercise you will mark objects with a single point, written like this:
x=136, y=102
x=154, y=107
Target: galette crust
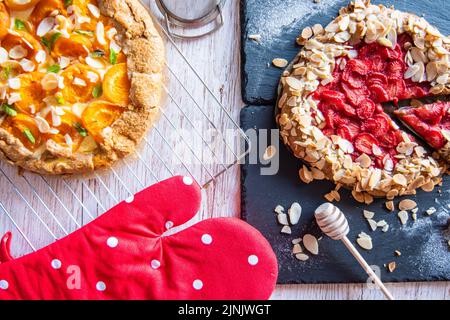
x=314, y=64
x=144, y=49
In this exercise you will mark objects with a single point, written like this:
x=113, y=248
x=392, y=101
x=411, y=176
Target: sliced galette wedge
x=432, y=123
x=329, y=106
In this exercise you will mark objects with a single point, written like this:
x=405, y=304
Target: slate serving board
x=280, y=21
x=423, y=243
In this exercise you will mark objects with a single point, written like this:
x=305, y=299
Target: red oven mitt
x=125, y=254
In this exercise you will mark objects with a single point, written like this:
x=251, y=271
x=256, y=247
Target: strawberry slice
x=378, y=93
x=355, y=65
x=332, y=95
x=377, y=125
x=364, y=142
x=354, y=96
x=377, y=78
x=348, y=131
x=365, y=109
x=345, y=108
x=395, y=69
x=389, y=139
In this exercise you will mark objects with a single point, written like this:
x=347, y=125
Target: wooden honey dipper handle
x=333, y=223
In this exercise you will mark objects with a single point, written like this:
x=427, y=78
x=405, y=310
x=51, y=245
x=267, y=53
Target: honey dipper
x=333, y=223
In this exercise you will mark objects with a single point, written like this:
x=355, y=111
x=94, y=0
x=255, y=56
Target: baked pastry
x=432, y=123
x=80, y=82
x=329, y=106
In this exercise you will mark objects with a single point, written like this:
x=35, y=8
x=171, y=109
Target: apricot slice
x=73, y=90
x=25, y=129
x=75, y=46
x=44, y=8
x=31, y=92
x=99, y=115
x=4, y=21
x=116, y=85
x=23, y=39
x=20, y=5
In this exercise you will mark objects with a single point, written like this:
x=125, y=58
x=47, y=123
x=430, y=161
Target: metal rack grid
x=194, y=136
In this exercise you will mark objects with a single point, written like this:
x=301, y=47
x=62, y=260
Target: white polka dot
x=197, y=284
x=207, y=239
x=100, y=286
x=188, y=181
x=155, y=264
x=169, y=224
x=4, y=284
x=130, y=199
x=112, y=242
x=253, y=260
x=56, y=264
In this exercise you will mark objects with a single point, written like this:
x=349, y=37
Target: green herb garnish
x=85, y=32
x=9, y=110
x=19, y=24
x=113, y=56
x=97, y=53
x=6, y=72
x=54, y=68
x=29, y=135
x=97, y=91
x=68, y=3
x=50, y=42
x=60, y=99
x=81, y=130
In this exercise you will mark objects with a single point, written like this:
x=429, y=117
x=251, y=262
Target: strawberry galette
x=80, y=82
x=329, y=106
x=432, y=123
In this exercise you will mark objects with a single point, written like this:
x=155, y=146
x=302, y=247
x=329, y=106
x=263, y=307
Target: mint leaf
x=19, y=24
x=29, y=135
x=113, y=56
x=68, y=3
x=54, y=68
x=9, y=110
x=6, y=72
x=60, y=99
x=97, y=91
x=85, y=32
x=50, y=42
x=97, y=53
x=81, y=130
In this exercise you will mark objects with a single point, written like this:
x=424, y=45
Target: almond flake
x=14, y=97
x=286, y=230
x=95, y=11
x=255, y=37
x=297, y=249
x=3, y=55
x=282, y=219
x=430, y=211
x=407, y=204
x=403, y=216
x=94, y=63
x=372, y=224
x=293, y=83
x=397, y=253
x=79, y=82
x=50, y=81
x=302, y=256
x=68, y=139
x=365, y=242
x=294, y=212
x=390, y=205
x=269, y=153
x=64, y=62
x=311, y=244
x=100, y=33
x=279, y=209
x=45, y=26
x=368, y=214
x=27, y=65
x=279, y=62
x=392, y=266
x=18, y=52
x=42, y=124
x=14, y=83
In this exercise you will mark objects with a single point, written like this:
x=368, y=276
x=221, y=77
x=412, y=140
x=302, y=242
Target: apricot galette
x=80, y=82
x=329, y=106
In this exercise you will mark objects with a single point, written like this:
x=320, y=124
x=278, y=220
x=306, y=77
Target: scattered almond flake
x=18, y=52
x=390, y=205
x=42, y=124
x=293, y=83
x=78, y=108
x=92, y=76
x=414, y=216
x=269, y=153
x=385, y=228
x=111, y=33
x=100, y=33
x=346, y=146
x=50, y=81
x=64, y=62
x=255, y=37
x=430, y=211
x=310, y=243
x=391, y=266
x=286, y=230
x=279, y=209
x=352, y=54
x=400, y=179
x=95, y=11
x=407, y=204
x=3, y=55
x=364, y=241
x=368, y=214
x=68, y=139
x=279, y=62
x=14, y=97
x=107, y=132
x=94, y=63
x=79, y=82
x=32, y=109
x=302, y=256
x=376, y=150
x=381, y=223
x=27, y=65
x=296, y=240
x=397, y=253
x=372, y=224
x=415, y=210
x=282, y=219
x=297, y=249
x=403, y=216
x=294, y=213
x=114, y=46
x=45, y=26
x=56, y=119
x=14, y=83
x=329, y=197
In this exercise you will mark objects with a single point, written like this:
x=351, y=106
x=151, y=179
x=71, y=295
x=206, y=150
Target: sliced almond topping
x=286, y=230
x=297, y=249
x=368, y=214
x=364, y=241
x=293, y=83
x=279, y=62
x=302, y=256
x=311, y=244
x=430, y=211
x=18, y=52
x=392, y=266
x=407, y=204
x=282, y=219
x=403, y=216
x=390, y=205
x=397, y=253
x=373, y=224
x=269, y=153
x=45, y=26
x=294, y=213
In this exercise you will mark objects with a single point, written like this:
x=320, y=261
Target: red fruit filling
x=428, y=121
x=351, y=103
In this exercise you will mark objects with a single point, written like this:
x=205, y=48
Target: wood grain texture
x=216, y=58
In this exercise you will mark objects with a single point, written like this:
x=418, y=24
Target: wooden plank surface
x=216, y=58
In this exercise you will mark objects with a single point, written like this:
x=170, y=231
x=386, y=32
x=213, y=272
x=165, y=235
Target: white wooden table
x=216, y=58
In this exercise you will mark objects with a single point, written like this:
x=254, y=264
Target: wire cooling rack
x=195, y=136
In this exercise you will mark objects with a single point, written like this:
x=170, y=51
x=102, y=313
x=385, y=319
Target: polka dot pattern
x=155, y=264
x=100, y=286
x=197, y=284
x=112, y=242
x=130, y=199
x=188, y=181
x=207, y=239
x=169, y=224
x=253, y=260
x=56, y=264
x=4, y=285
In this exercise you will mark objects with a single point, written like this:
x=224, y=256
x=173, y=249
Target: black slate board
x=279, y=23
x=423, y=243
